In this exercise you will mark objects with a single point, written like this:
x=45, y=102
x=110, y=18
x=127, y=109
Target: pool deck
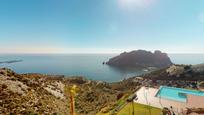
x=147, y=96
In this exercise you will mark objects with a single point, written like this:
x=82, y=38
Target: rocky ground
x=37, y=93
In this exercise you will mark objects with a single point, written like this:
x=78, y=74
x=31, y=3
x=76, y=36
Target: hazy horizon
x=106, y=26
x=88, y=52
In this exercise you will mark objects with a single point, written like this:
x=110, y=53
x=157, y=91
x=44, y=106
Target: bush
x=4, y=86
x=187, y=67
x=119, y=96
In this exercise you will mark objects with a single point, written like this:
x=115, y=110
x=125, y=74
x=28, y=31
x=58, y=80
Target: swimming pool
x=176, y=94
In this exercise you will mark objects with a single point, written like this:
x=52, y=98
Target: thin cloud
x=201, y=17
x=135, y=4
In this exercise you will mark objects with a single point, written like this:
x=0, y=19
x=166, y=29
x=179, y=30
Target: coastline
x=42, y=91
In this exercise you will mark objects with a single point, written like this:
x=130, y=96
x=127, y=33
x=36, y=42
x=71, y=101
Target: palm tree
x=72, y=91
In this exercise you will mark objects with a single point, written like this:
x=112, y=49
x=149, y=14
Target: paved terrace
x=147, y=96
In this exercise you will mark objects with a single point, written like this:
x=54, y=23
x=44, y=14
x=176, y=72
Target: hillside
x=38, y=93
x=178, y=72
x=46, y=94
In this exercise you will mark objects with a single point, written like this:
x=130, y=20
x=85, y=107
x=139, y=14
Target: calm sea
x=88, y=65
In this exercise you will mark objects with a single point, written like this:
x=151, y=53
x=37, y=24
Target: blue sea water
x=87, y=65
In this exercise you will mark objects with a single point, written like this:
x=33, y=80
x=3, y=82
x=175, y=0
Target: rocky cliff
x=141, y=58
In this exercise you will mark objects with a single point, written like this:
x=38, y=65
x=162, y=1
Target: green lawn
x=139, y=109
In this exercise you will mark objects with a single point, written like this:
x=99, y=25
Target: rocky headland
x=141, y=58
x=10, y=61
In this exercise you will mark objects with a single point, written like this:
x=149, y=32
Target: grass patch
x=109, y=110
x=139, y=109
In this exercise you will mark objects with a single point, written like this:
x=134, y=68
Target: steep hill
x=46, y=94
x=178, y=72
x=141, y=58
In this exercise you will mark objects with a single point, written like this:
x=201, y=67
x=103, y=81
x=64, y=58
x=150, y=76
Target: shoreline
x=52, y=97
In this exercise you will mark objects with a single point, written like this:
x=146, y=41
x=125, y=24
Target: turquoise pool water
x=176, y=94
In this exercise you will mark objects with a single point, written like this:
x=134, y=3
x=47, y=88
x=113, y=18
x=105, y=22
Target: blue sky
x=101, y=26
